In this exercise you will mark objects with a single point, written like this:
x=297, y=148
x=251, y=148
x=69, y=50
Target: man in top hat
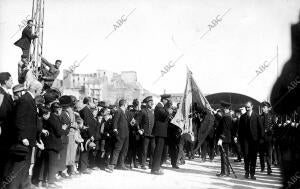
x=6, y=116
x=160, y=129
x=251, y=133
x=224, y=137
x=265, y=149
x=27, y=36
x=145, y=120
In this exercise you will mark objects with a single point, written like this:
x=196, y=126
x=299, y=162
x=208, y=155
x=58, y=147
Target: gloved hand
x=220, y=142
x=235, y=139
x=25, y=142
x=116, y=131
x=140, y=132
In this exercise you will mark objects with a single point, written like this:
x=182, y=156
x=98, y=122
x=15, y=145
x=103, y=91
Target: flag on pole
x=184, y=117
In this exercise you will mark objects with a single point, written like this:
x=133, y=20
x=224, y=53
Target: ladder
x=36, y=48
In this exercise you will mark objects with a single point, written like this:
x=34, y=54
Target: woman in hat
x=68, y=117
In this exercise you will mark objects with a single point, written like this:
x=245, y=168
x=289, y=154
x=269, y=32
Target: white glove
x=25, y=142
x=220, y=142
x=140, y=131
x=64, y=126
x=40, y=145
x=235, y=140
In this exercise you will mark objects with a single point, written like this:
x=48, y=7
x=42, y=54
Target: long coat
x=145, y=120
x=161, y=116
x=54, y=126
x=72, y=145
x=225, y=129
x=120, y=123
x=26, y=119
x=6, y=119
x=25, y=41
x=256, y=128
x=89, y=120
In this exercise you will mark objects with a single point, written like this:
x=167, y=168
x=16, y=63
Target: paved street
x=194, y=174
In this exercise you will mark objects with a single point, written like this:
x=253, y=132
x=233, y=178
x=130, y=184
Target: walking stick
x=227, y=160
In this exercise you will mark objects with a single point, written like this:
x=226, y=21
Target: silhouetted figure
x=285, y=99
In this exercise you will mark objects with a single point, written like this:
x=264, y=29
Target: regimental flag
x=184, y=116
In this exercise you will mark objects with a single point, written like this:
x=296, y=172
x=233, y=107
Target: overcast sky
x=223, y=59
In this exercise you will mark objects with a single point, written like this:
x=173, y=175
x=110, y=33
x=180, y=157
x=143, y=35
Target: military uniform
x=145, y=120
x=160, y=131
x=265, y=149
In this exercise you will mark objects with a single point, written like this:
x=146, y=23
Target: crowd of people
x=50, y=136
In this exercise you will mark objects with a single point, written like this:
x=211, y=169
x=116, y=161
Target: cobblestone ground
x=194, y=174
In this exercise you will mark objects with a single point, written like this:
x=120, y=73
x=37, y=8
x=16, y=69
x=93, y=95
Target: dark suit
x=86, y=157
x=25, y=41
x=26, y=125
x=89, y=121
x=54, y=126
x=6, y=124
x=26, y=119
x=160, y=131
x=173, y=143
x=250, y=133
x=106, y=142
x=225, y=129
x=134, y=139
x=120, y=123
x=53, y=146
x=265, y=149
x=236, y=145
x=146, y=122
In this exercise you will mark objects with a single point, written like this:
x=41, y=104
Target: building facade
x=105, y=85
